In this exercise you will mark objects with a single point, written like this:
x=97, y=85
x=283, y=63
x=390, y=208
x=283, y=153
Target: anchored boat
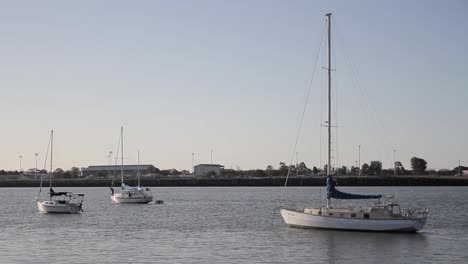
x=58, y=202
x=384, y=215
x=130, y=194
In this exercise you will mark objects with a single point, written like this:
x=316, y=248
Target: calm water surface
x=223, y=225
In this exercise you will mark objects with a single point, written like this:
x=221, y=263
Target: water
x=223, y=225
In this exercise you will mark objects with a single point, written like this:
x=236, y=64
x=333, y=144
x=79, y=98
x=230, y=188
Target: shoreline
x=254, y=182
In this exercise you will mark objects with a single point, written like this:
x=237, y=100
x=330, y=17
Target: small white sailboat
x=130, y=194
x=58, y=202
x=385, y=216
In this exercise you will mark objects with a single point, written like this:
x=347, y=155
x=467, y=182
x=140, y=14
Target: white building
x=205, y=169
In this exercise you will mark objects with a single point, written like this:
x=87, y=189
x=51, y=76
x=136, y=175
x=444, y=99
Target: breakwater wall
x=277, y=181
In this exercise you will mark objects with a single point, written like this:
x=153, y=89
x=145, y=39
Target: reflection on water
x=223, y=225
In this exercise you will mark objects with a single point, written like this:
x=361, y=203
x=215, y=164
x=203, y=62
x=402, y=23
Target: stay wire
x=302, y=116
x=45, y=164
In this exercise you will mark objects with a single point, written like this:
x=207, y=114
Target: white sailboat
x=58, y=202
x=384, y=215
x=130, y=194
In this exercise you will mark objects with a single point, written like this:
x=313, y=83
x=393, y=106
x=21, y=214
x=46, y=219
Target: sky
x=187, y=77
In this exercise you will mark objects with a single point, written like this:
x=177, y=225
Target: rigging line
x=303, y=113
x=369, y=107
x=43, y=170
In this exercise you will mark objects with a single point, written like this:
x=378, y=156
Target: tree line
x=373, y=168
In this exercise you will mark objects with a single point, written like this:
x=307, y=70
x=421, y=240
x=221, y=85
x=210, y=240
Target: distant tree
x=456, y=170
x=365, y=169
x=375, y=168
x=230, y=173
x=259, y=173
x=418, y=165
x=302, y=168
x=354, y=170
x=269, y=168
x=75, y=172
x=174, y=172
x=283, y=169
x=342, y=170
x=58, y=172
x=67, y=175
x=315, y=171
x=399, y=168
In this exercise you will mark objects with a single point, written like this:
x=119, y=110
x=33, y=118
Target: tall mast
x=122, y=148
x=51, y=152
x=329, y=92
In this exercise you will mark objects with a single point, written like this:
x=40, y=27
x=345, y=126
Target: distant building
x=205, y=169
x=465, y=172
x=105, y=170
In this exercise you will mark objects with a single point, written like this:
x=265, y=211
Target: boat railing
x=415, y=213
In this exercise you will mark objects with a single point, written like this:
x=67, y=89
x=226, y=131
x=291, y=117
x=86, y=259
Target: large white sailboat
x=58, y=202
x=130, y=194
x=384, y=215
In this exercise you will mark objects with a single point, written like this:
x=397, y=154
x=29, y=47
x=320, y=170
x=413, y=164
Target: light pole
x=394, y=163
x=193, y=162
x=36, y=154
x=211, y=156
x=109, y=162
x=459, y=168
x=359, y=154
x=297, y=164
x=20, y=157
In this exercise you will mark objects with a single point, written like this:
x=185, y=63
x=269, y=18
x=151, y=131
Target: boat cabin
x=377, y=211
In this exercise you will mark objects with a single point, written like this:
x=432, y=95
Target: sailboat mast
x=329, y=92
x=122, y=148
x=51, y=152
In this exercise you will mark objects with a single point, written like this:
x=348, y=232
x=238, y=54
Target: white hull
x=141, y=200
x=303, y=220
x=48, y=207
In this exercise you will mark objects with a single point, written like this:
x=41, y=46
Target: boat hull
x=137, y=200
x=48, y=207
x=303, y=220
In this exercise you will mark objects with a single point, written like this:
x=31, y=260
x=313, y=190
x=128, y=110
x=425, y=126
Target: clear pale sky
x=191, y=76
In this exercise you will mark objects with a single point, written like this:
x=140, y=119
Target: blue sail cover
x=334, y=193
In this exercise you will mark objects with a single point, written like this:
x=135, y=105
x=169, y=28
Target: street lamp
x=20, y=157
x=193, y=162
x=109, y=160
x=297, y=164
x=394, y=162
x=36, y=154
x=359, y=154
x=459, y=168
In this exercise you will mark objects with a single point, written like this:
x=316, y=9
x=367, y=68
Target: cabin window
x=366, y=216
x=320, y=213
x=330, y=213
x=353, y=215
